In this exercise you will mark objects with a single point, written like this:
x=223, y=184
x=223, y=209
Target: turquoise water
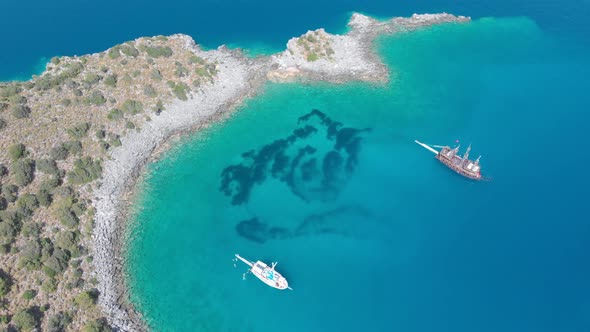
x=370, y=230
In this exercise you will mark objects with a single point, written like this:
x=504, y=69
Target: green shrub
x=85, y=170
x=24, y=320
x=77, y=280
x=10, y=192
x=44, y=197
x=100, y=134
x=3, y=122
x=92, y=78
x=73, y=147
x=30, y=256
x=17, y=99
x=66, y=217
x=17, y=151
x=114, y=52
x=196, y=60
x=49, y=286
x=3, y=203
x=24, y=172
x=58, y=261
x=129, y=50
x=209, y=70
x=31, y=229
x=201, y=71
x=104, y=145
x=180, y=70
x=8, y=91
x=70, y=83
x=87, y=299
x=111, y=81
x=159, y=107
x=96, y=98
x=66, y=102
x=132, y=107
x=114, y=140
x=4, y=249
x=10, y=217
x=130, y=125
x=127, y=80
x=5, y=284
x=149, y=91
x=49, y=272
x=156, y=75
x=47, y=249
x=59, y=152
x=49, y=184
x=70, y=70
x=98, y=325
x=179, y=89
x=58, y=322
x=66, y=240
x=27, y=204
x=29, y=294
x=8, y=232
x=312, y=57
x=3, y=170
x=55, y=60
x=115, y=114
x=79, y=131
x=47, y=166
x=67, y=194
x=158, y=51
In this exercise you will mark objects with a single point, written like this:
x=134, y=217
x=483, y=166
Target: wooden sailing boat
x=451, y=158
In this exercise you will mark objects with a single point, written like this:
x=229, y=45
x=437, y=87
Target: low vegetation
x=315, y=45
x=55, y=132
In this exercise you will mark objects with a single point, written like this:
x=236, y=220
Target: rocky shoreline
x=318, y=57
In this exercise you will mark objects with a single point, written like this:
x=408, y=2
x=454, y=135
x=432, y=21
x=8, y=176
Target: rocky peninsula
x=75, y=139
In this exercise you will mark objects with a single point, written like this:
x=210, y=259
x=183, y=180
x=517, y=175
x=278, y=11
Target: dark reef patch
x=329, y=222
x=294, y=161
x=315, y=161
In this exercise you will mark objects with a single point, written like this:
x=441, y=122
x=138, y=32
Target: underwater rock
x=293, y=160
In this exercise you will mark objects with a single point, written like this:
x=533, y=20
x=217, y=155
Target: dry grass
x=75, y=90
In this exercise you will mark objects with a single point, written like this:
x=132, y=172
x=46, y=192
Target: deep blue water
x=35, y=30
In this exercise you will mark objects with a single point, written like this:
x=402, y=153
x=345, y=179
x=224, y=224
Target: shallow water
x=375, y=233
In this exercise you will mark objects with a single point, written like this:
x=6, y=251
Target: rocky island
x=75, y=139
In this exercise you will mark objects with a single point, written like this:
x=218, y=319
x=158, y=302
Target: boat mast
x=466, y=155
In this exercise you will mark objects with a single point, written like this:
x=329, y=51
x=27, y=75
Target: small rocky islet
x=74, y=139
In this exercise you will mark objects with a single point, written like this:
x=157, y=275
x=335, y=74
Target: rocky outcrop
x=318, y=55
